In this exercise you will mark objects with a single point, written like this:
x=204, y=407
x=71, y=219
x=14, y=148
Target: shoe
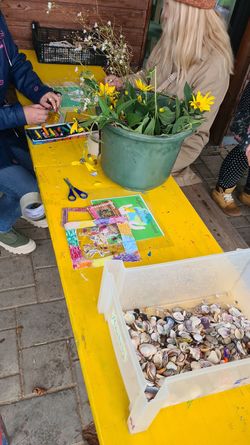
x=225, y=201
x=245, y=198
x=41, y=223
x=15, y=242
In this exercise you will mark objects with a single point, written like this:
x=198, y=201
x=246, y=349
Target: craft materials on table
x=53, y=133
x=141, y=221
x=107, y=236
x=73, y=191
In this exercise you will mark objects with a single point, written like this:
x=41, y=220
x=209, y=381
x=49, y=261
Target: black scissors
x=72, y=189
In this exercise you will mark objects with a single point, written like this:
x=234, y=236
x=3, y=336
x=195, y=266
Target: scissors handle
x=81, y=194
x=71, y=195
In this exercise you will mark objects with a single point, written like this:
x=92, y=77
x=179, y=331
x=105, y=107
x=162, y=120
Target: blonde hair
x=187, y=31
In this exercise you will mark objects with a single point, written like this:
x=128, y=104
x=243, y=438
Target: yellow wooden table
x=217, y=419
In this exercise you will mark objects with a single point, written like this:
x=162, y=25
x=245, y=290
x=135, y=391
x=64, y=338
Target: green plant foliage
x=140, y=109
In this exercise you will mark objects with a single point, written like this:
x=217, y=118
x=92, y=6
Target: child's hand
x=114, y=81
x=51, y=100
x=248, y=154
x=35, y=114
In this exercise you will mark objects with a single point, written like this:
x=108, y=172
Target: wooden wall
x=132, y=15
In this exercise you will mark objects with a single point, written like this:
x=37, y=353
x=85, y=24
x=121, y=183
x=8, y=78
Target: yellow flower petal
x=142, y=86
x=203, y=103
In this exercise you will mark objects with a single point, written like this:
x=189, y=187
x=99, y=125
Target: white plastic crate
x=182, y=283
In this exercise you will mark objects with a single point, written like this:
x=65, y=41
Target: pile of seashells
x=173, y=341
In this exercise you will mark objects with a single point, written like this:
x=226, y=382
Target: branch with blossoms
x=101, y=38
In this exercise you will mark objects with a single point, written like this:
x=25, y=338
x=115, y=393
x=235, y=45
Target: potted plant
x=141, y=130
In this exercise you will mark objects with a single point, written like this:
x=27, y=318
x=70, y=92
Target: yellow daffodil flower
x=142, y=86
x=106, y=90
x=202, y=103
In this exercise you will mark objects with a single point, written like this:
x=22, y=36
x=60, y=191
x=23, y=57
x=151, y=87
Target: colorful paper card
x=141, y=221
x=94, y=241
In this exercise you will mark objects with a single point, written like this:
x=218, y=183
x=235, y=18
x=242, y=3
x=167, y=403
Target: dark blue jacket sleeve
x=12, y=116
x=22, y=74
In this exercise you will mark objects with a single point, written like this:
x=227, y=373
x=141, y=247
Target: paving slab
x=72, y=349
x=17, y=297
x=8, y=353
x=9, y=389
x=48, y=284
x=47, y=420
x=7, y=319
x=35, y=233
x=16, y=272
x=44, y=255
x=44, y=322
x=78, y=379
x=46, y=366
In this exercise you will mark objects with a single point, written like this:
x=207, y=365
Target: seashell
x=205, y=309
x=147, y=326
x=169, y=322
x=150, y=371
x=183, y=346
x=151, y=389
x=157, y=359
x=139, y=325
x=172, y=334
x=181, y=359
x=160, y=329
x=213, y=358
x=234, y=311
x=195, y=321
x=195, y=353
x=214, y=308
x=188, y=325
x=145, y=338
x=205, y=322
x=153, y=321
x=164, y=359
x=247, y=334
x=240, y=348
x=178, y=316
x=143, y=316
x=147, y=350
x=224, y=332
x=197, y=337
x=195, y=365
x=129, y=318
x=239, y=333
x=227, y=340
x=171, y=366
x=227, y=317
x=205, y=363
x=185, y=335
x=155, y=337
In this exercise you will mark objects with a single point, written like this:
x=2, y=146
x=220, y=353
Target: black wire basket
x=47, y=53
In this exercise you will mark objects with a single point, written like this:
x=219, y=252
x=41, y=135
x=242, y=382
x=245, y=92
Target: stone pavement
x=37, y=349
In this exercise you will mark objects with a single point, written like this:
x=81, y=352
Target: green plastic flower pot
x=138, y=161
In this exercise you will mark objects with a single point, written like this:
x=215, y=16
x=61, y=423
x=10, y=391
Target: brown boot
x=245, y=198
x=225, y=201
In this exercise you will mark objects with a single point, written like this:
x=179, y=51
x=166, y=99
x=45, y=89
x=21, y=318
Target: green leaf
x=104, y=106
x=150, y=128
x=177, y=108
x=158, y=129
x=182, y=124
x=188, y=94
x=124, y=106
x=142, y=125
x=167, y=117
x=131, y=90
x=134, y=119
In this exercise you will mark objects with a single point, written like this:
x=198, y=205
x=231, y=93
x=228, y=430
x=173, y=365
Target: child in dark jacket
x=237, y=162
x=19, y=194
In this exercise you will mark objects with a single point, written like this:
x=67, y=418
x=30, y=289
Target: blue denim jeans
x=16, y=178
